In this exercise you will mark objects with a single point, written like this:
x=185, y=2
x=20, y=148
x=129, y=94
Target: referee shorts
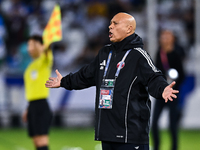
x=39, y=117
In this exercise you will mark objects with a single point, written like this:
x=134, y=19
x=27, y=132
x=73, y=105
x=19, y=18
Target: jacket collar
x=129, y=42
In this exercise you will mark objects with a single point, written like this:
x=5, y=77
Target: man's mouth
x=110, y=34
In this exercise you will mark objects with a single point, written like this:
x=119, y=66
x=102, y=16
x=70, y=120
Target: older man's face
x=118, y=28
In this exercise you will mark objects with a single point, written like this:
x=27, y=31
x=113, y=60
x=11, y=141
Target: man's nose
x=110, y=26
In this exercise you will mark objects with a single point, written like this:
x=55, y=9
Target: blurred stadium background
x=85, y=31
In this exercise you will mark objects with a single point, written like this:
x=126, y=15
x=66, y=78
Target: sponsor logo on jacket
x=102, y=65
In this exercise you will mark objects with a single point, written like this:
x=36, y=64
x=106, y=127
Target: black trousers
x=173, y=116
x=123, y=146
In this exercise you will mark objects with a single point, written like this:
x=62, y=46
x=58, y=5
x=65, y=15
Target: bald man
x=124, y=76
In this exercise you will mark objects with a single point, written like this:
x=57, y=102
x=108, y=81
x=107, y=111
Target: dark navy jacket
x=129, y=119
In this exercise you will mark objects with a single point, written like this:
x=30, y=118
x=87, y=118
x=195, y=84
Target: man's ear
x=129, y=29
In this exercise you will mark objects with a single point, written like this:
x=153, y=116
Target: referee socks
x=43, y=148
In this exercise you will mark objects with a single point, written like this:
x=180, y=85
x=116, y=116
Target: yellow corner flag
x=53, y=30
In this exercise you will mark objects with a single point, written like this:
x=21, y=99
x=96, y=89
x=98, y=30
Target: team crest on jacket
x=122, y=66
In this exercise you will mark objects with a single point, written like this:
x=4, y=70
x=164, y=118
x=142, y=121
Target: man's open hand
x=54, y=82
x=169, y=93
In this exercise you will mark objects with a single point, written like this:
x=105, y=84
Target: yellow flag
x=53, y=30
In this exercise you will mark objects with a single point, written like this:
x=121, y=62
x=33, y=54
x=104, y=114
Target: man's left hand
x=169, y=93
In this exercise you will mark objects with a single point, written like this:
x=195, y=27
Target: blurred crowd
x=85, y=29
x=84, y=23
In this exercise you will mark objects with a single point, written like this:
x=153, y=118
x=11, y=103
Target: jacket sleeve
x=151, y=77
x=84, y=78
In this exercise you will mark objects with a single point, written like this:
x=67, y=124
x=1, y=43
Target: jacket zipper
x=99, y=119
x=126, y=113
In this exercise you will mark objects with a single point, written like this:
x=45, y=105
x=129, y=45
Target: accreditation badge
x=106, y=94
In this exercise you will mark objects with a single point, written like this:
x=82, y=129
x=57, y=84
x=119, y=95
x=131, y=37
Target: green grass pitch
x=83, y=139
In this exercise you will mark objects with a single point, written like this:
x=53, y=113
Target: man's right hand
x=54, y=82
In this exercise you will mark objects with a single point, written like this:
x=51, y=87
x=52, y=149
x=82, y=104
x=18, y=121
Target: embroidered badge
x=122, y=64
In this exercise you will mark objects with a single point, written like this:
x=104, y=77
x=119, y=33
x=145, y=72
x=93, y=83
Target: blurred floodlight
x=173, y=73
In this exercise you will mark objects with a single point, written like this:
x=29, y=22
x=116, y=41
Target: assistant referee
x=38, y=114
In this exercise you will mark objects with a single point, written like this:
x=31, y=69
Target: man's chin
x=112, y=40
